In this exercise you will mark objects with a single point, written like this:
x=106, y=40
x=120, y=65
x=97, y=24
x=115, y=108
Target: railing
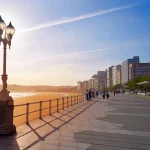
x=30, y=111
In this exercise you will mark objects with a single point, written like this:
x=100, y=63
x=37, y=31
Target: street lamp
x=6, y=101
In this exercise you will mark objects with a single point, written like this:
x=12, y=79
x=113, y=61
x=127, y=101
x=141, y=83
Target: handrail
x=64, y=102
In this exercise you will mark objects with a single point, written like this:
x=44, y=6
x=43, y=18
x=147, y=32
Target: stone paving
x=121, y=123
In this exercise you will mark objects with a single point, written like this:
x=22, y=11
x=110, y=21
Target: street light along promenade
x=6, y=101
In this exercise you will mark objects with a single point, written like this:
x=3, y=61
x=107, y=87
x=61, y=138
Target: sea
x=19, y=94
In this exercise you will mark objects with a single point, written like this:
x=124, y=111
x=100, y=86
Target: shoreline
x=40, y=96
x=26, y=94
x=22, y=94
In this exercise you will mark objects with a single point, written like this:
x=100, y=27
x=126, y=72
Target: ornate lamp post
x=6, y=101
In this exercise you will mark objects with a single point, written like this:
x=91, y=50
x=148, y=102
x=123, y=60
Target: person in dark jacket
x=96, y=93
x=87, y=95
x=103, y=94
x=93, y=94
x=90, y=94
x=107, y=94
x=114, y=92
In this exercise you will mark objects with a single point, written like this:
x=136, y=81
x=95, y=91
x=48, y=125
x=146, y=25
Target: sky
x=61, y=42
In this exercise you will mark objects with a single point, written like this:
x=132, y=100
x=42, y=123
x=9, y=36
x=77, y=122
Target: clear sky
x=60, y=42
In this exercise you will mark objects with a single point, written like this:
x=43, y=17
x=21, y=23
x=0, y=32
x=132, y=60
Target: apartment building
x=116, y=75
x=101, y=80
x=85, y=85
x=80, y=86
x=95, y=81
x=138, y=69
x=90, y=84
x=125, y=68
x=109, y=78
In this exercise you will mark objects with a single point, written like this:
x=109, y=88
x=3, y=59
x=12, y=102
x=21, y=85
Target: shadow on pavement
x=56, y=122
x=9, y=142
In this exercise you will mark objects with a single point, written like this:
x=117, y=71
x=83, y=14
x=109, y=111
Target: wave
x=18, y=94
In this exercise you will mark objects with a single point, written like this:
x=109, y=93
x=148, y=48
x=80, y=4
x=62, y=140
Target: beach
x=24, y=98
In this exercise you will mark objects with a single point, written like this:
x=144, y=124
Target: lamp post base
x=7, y=129
x=6, y=114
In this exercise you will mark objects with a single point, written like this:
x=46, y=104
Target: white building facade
x=116, y=75
x=109, y=73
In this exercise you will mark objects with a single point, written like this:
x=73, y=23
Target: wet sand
x=45, y=104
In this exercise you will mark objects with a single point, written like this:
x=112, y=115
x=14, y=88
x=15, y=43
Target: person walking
x=90, y=94
x=97, y=94
x=87, y=95
x=103, y=94
x=114, y=92
x=107, y=94
x=93, y=93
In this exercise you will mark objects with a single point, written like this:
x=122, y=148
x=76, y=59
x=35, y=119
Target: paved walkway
x=121, y=123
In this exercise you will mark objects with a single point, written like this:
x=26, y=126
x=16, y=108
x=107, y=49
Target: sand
x=34, y=108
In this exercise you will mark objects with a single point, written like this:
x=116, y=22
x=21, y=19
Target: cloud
x=59, y=57
x=53, y=58
x=38, y=42
x=42, y=63
x=77, y=18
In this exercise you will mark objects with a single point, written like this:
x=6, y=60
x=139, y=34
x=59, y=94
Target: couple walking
x=90, y=94
x=105, y=94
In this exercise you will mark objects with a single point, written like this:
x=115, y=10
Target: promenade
x=121, y=123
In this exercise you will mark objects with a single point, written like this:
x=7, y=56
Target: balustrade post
x=71, y=101
x=63, y=103
x=27, y=113
x=79, y=99
x=67, y=102
x=74, y=100
x=50, y=107
x=58, y=105
x=40, y=110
